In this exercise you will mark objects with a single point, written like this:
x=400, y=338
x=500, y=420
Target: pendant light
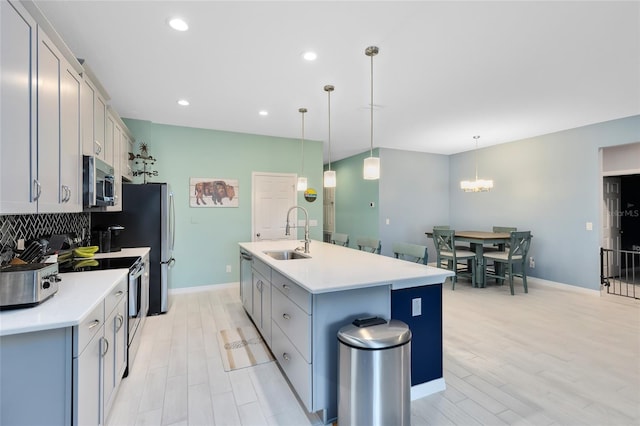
x=329, y=175
x=371, y=164
x=478, y=185
x=302, y=181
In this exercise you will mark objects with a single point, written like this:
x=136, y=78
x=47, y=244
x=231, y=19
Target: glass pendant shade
x=372, y=168
x=302, y=183
x=477, y=185
x=330, y=179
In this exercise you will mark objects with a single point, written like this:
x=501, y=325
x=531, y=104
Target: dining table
x=477, y=241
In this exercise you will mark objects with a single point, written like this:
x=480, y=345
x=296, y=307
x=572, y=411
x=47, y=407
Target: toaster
x=27, y=285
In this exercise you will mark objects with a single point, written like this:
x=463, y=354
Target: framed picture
x=213, y=192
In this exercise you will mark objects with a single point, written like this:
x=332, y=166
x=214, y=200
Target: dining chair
x=449, y=257
x=458, y=246
x=369, y=244
x=412, y=252
x=515, y=256
x=502, y=230
x=340, y=239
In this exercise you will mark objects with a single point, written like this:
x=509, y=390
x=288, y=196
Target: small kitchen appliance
x=27, y=285
x=107, y=238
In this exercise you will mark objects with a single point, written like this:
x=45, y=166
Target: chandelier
x=478, y=185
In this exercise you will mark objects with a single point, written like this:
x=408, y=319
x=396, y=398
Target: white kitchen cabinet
x=18, y=131
x=88, y=369
x=94, y=116
x=40, y=144
x=70, y=149
x=115, y=355
x=114, y=133
x=127, y=164
x=261, y=278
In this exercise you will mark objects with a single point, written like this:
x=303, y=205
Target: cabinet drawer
x=262, y=268
x=293, y=291
x=114, y=296
x=84, y=332
x=293, y=322
x=298, y=371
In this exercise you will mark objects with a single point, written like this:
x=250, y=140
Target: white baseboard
x=427, y=388
x=196, y=289
x=561, y=286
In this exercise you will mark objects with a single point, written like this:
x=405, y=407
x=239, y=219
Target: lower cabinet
x=262, y=303
x=100, y=358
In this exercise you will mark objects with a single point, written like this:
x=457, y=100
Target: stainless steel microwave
x=98, y=182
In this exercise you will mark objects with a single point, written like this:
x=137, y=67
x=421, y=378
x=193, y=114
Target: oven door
x=136, y=275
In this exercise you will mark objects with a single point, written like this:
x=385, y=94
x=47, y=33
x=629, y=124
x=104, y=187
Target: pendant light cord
x=302, y=111
x=329, y=115
x=475, y=155
x=371, y=150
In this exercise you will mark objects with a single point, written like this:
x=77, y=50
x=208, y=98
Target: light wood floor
x=550, y=357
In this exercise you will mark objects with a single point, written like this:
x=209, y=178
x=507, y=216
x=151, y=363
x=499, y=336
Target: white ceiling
x=446, y=71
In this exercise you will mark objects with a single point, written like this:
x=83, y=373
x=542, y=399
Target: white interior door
x=611, y=223
x=329, y=210
x=272, y=196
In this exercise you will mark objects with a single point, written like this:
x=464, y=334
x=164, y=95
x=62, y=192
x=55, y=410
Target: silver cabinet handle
x=37, y=189
x=286, y=288
x=106, y=347
x=286, y=316
x=120, y=318
x=286, y=356
x=98, y=148
x=260, y=284
x=119, y=293
x=94, y=323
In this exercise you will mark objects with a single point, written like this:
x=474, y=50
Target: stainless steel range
x=27, y=285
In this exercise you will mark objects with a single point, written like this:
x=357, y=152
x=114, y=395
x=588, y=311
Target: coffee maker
x=107, y=238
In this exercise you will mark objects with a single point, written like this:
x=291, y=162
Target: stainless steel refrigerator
x=148, y=218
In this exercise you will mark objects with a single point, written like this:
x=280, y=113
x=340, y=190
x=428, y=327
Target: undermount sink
x=286, y=255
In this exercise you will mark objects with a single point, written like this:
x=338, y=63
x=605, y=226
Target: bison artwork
x=217, y=190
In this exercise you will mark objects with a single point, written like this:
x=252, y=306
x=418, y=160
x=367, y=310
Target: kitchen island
x=298, y=305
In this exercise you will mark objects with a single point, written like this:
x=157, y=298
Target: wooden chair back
x=369, y=244
x=412, y=252
x=340, y=239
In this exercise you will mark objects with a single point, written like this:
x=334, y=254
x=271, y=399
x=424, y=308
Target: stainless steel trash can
x=374, y=373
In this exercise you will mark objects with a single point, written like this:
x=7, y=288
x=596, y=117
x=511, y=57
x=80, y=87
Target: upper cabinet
x=54, y=110
x=18, y=132
x=40, y=145
x=94, y=117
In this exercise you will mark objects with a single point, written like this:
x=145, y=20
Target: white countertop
x=125, y=252
x=336, y=268
x=78, y=294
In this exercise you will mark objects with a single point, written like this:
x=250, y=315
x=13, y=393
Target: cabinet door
x=70, y=151
x=87, y=111
x=87, y=395
x=113, y=141
x=100, y=118
x=115, y=358
x=49, y=64
x=17, y=129
x=127, y=165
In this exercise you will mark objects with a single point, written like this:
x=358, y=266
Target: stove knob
x=46, y=284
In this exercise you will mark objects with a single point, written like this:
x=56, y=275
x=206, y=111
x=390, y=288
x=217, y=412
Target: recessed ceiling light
x=310, y=56
x=178, y=24
x=183, y=102
x=263, y=112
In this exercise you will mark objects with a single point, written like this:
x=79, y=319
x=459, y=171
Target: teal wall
x=207, y=238
x=353, y=195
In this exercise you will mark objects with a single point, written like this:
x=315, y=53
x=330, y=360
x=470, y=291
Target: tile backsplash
x=32, y=226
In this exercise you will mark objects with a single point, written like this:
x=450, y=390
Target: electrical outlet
x=388, y=221
x=20, y=244
x=228, y=268
x=532, y=262
x=416, y=307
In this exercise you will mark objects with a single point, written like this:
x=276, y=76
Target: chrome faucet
x=287, y=229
